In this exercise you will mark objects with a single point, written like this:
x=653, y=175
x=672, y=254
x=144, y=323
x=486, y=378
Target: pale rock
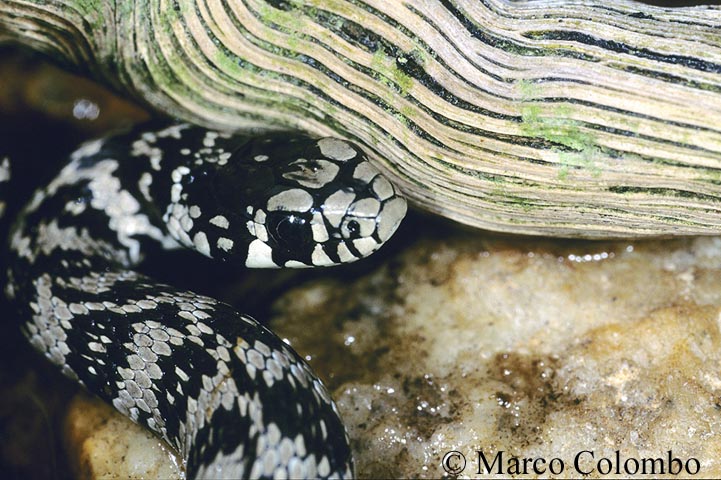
x=530, y=347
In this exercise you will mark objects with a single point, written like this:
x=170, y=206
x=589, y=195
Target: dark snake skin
x=233, y=398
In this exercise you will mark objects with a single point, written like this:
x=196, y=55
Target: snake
x=228, y=394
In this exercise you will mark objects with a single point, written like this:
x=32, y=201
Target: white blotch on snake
x=220, y=221
x=336, y=149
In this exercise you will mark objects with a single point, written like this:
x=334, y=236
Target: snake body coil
x=232, y=397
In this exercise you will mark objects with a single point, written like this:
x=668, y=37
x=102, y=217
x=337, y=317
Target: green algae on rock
x=572, y=118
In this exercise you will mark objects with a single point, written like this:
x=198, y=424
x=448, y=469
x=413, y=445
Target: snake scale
x=227, y=393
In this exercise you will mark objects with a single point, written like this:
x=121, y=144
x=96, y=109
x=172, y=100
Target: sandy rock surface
x=537, y=349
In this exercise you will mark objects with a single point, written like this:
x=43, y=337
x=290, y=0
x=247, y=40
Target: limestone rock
x=529, y=347
x=104, y=444
x=534, y=348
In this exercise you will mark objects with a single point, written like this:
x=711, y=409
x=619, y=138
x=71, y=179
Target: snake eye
x=289, y=231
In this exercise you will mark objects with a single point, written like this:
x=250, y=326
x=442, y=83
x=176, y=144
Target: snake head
x=328, y=205
x=292, y=201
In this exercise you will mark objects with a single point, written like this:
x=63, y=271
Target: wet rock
x=534, y=348
x=103, y=444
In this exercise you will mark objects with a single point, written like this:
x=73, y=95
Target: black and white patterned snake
x=227, y=393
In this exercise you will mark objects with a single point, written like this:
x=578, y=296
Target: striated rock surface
x=538, y=349
x=571, y=118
